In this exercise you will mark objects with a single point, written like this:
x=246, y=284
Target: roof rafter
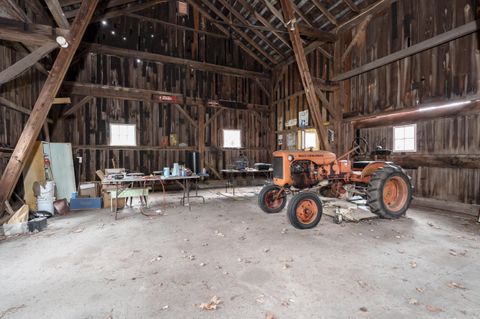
x=242, y=19
x=227, y=33
x=239, y=32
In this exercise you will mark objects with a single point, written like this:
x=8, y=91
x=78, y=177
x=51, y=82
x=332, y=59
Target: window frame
x=223, y=138
x=414, y=125
x=126, y=125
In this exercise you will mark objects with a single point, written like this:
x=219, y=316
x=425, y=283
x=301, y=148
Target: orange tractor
x=308, y=174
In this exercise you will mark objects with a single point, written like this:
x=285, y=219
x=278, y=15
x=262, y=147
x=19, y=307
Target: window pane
x=310, y=140
x=123, y=135
x=410, y=131
x=399, y=145
x=399, y=133
x=409, y=144
x=231, y=139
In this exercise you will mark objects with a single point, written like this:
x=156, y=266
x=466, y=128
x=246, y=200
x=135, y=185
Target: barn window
x=308, y=139
x=232, y=139
x=123, y=134
x=405, y=138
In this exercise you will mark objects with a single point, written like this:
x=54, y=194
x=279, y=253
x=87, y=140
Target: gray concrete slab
x=88, y=265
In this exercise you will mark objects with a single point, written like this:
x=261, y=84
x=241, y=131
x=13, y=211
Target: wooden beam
x=201, y=134
x=11, y=9
x=445, y=108
x=187, y=116
x=154, y=57
x=177, y=26
x=57, y=13
x=325, y=12
x=325, y=102
x=213, y=117
x=7, y=103
x=318, y=34
x=114, y=12
x=273, y=10
x=373, y=10
x=26, y=62
x=300, y=14
x=77, y=106
x=42, y=106
x=263, y=88
x=352, y=5
x=414, y=161
x=239, y=32
x=242, y=19
x=359, y=35
x=265, y=22
x=448, y=36
x=62, y=100
x=227, y=33
x=313, y=105
x=28, y=33
x=101, y=7
x=315, y=45
x=132, y=94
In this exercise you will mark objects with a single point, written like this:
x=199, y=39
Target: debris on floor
x=349, y=211
x=212, y=305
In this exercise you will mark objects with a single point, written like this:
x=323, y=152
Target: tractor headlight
x=290, y=158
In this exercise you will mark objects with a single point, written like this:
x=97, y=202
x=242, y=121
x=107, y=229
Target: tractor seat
x=360, y=164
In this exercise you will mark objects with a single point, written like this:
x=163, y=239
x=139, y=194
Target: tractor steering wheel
x=360, y=146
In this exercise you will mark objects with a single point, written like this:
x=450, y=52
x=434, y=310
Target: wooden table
x=232, y=172
x=126, y=183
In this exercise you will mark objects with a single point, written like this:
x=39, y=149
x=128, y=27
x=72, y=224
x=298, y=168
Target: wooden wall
x=288, y=95
x=22, y=92
x=88, y=130
x=446, y=72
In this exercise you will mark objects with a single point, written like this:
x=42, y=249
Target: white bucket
x=46, y=204
x=47, y=191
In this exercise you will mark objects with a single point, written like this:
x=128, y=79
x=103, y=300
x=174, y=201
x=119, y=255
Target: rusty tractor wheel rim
x=395, y=193
x=307, y=211
x=272, y=201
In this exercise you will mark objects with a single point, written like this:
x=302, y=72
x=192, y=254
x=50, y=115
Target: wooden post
x=308, y=86
x=201, y=134
x=44, y=102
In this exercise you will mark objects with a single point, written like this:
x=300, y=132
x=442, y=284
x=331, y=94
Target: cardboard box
x=88, y=189
x=106, y=201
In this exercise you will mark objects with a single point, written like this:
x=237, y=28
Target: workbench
x=231, y=173
x=124, y=187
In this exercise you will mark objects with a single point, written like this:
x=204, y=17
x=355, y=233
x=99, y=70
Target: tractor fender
x=372, y=168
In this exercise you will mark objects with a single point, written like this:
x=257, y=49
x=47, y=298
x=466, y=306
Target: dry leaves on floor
x=156, y=258
x=269, y=315
x=260, y=299
x=455, y=285
x=420, y=290
x=413, y=301
x=434, y=309
x=212, y=305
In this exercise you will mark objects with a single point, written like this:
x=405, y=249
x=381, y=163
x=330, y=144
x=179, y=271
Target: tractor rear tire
x=267, y=201
x=389, y=192
x=305, y=210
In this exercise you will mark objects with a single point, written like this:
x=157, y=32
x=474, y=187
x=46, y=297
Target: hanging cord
x=163, y=207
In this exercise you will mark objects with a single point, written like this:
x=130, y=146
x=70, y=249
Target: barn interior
x=239, y=158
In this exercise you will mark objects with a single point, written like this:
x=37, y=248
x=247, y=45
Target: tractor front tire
x=389, y=192
x=268, y=201
x=305, y=210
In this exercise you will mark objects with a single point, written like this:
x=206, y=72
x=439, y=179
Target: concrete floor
x=88, y=265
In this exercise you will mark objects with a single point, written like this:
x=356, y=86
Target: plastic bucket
x=48, y=190
x=46, y=204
